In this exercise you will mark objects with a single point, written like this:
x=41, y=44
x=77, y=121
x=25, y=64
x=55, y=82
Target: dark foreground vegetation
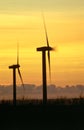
x=57, y=114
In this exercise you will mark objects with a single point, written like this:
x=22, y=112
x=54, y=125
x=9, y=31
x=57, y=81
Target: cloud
x=35, y=92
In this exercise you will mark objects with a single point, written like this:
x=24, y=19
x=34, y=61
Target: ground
x=42, y=117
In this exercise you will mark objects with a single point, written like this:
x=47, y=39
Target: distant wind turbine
x=43, y=50
x=14, y=67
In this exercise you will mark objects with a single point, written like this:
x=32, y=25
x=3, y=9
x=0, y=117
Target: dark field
x=67, y=114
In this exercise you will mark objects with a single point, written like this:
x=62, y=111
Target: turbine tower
x=43, y=50
x=14, y=67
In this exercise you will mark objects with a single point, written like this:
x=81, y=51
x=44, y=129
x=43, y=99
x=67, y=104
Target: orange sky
x=65, y=31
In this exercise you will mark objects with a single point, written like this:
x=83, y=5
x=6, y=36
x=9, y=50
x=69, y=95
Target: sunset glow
x=21, y=21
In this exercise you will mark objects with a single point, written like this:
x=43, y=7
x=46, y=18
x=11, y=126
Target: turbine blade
x=17, y=53
x=20, y=77
x=45, y=30
x=49, y=64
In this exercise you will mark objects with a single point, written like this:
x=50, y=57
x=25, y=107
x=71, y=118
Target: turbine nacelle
x=45, y=48
x=14, y=66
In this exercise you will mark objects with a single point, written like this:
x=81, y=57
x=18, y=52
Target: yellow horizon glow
x=65, y=33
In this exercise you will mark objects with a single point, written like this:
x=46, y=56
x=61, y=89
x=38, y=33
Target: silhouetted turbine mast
x=43, y=50
x=14, y=67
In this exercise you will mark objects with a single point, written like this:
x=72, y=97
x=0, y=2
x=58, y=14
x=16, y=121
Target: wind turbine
x=14, y=67
x=43, y=50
